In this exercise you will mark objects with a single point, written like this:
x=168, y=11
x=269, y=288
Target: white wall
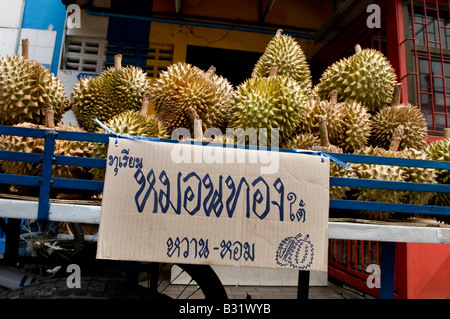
x=11, y=12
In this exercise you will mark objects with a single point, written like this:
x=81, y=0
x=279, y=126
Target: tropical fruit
x=25, y=88
x=388, y=118
x=440, y=151
x=184, y=93
x=116, y=90
x=284, y=53
x=378, y=172
x=36, y=145
x=132, y=123
x=333, y=112
x=274, y=102
x=348, y=123
x=366, y=77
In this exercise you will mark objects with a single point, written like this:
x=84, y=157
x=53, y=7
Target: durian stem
x=197, y=123
x=273, y=71
x=25, y=48
x=397, y=138
x=358, y=48
x=118, y=61
x=211, y=71
x=49, y=116
x=397, y=95
x=145, y=103
x=279, y=32
x=323, y=131
x=446, y=133
x=334, y=96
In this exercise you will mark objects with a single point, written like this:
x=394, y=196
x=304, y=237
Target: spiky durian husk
x=366, y=77
x=36, y=145
x=216, y=115
x=264, y=103
x=357, y=127
x=334, y=114
x=284, y=53
x=303, y=141
x=183, y=86
x=416, y=175
x=440, y=151
x=378, y=172
x=126, y=123
x=114, y=91
x=25, y=88
x=386, y=120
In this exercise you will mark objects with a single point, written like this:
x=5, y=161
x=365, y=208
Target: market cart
x=43, y=208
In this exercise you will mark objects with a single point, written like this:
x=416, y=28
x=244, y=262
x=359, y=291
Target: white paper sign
x=189, y=203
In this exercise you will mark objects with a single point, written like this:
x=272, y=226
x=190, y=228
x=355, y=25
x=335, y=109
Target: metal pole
x=303, y=284
x=387, y=270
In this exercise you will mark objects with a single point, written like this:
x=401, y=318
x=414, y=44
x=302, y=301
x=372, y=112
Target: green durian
x=366, y=77
x=36, y=145
x=378, y=172
x=25, y=88
x=284, y=53
x=127, y=123
x=387, y=119
x=184, y=87
x=274, y=102
x=333, y=112
x=116, y=90
x=357, y=126
x=440, y=151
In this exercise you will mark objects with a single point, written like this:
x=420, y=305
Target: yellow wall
x=302, y=14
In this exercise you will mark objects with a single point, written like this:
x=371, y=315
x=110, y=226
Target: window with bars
x=94, y=55
x=84, y=54
x=153, y=58
x=427, y=39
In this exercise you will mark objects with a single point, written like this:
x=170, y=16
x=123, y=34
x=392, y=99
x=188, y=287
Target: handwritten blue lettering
x=194, y=194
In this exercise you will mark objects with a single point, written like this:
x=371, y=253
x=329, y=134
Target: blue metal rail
x=45, y=182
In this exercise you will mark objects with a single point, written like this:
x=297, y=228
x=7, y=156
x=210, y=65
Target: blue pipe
x=192, y=23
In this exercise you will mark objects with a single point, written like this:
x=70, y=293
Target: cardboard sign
x=190, y=203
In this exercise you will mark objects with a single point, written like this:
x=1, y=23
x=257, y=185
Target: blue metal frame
x=48, y=159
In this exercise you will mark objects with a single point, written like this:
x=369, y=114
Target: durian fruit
x=333, y=112
x=136, y=123
x=36, y=145
x=416, y=175
x=116, y=90
x=366, y=77
x=25, y=88
x=440, y=151
x=357, y=126
x=348, y=123
x=274, y=102
x=184, y=87
x=310, y=141
x=387, y=119
x=378, y=172
x=284, y=53
x=302, y=141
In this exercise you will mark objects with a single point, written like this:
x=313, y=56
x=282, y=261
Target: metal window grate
x=152, y=59
x=84, y=54
x=427, y=46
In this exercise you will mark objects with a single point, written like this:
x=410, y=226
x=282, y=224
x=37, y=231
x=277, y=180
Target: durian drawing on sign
x=296, y=252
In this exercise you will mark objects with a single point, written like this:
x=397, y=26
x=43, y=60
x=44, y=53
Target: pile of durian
x=355, y=108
